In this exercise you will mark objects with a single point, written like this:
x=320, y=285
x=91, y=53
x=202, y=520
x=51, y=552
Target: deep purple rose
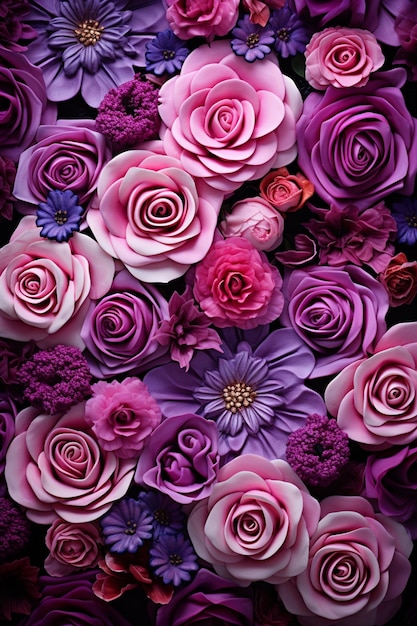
x=208, y=599
x=361, y=147
x=181, y=458
x=7, y=417
x=340, y=314
x=24, y=105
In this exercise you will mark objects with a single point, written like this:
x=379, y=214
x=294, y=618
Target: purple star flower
x=59, y=216
x=250, y=40
x=126, y=526
x=167, y=515
x=173, y=558
x=165, y=54
x=405, y=214
x=291, y=33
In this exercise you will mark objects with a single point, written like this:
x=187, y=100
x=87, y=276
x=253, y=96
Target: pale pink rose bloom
x=46, y=286
x=357, y=568
x=152, y=215
x=257, y=221
x=56, y=468
x=194, y=18
x=226, y=120
x=72, y=547
x=375, y=399
x=257, y=522
x=342, y=57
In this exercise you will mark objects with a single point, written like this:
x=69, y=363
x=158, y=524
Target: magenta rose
x=226, y=120
x=357, y=568
x=46, y=286
x=256, y=523
x=359, y=148
x=152, y=216
x=339, y=313
x=193, y=18
x=375, y=399
x=119, y=329
x=181, y=458
x=342, y=57
x=257, y=221
x=72, y=547
x=55, y=467
x=24, y=104
x=122, y=416
x=68, y=155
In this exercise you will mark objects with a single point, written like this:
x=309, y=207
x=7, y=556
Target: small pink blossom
x=257, y=221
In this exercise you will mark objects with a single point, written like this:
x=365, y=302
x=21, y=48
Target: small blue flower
x=126, y=526
x=60, y=215
x=173, y=559
x=167, y=515
x=405, y=214
x=165, y=54
x=251, y=40
x=291, y=33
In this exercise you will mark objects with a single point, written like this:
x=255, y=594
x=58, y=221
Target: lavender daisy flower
x=405, y=214
x=251, y=41
x=167, y=515
x=291, y=33
x=165, y=54
x=126, y=526
x=173, y=558
x=59, y=216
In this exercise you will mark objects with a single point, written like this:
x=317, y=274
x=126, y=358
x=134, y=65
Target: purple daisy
x=60, y=215
x=126, y=526
x=167, y=515
x=172, y=558
x=291, y=33
x=405, y=214
x=250, y=40
x=165, y=54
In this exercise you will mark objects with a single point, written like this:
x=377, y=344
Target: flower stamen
x=238, y=396
x=89, y=32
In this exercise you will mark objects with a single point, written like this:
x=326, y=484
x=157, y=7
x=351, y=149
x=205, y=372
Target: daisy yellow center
x=89, y=32
x=169, y=54
x=130, y=528
x=175, y=559
x=61, y=217
x=252, y=40
x=238, y=396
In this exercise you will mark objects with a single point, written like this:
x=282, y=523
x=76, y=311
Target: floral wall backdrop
x=208, y=328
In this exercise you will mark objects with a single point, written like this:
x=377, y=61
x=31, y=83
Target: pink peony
x=257, y=221
x=72, y=547
x=194, y=18
x=256, y=523
x=226, y=120
x=235, y=285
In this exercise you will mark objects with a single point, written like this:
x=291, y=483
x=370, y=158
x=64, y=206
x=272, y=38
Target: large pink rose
x=152, y=215
x=56, y=468
x=46, y=286
x=375, y=399
x=227, y=120
x=357, y=569
x=257, y=522
x=194, y=18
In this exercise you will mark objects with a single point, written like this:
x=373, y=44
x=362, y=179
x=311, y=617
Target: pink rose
x=226, y=120
x=235, y=285
x=46, y=286
x=375, y=399
x=357, y=568
x=72, y=547
x=194, y=18
x=152, y=215
x=256, y=523
x=257, y=221
x=286, y=192
x=56, y=468
x=342, y=57
x=399, y=278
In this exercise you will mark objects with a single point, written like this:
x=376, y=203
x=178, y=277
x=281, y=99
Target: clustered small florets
x=14, y=529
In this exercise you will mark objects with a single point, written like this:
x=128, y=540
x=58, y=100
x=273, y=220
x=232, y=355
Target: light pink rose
x=152, y=215
x=342, y=57
x=256, y=523
x=227, y=120
x=46, y=286
x=56, y=468
x=72, y=547
x=357, y=569
x=257, y=221
x=197, y=18
x=375, y=399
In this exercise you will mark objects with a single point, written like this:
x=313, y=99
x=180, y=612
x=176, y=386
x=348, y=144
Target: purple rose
x=7, y=429
x=360, y=148
x=340, y=314
x=119, y=330
x=24, y=103
x=181, y=458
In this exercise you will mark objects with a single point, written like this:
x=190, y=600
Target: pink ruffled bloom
x=357, y=568
x=260, y=12
x=342, y=57
x=197, y=18
x=122, y=415
x=46, y=286
x=56, y=468
x=72, y=547
x=235, y=285
x=257, y=221
x=375, y=399
x=152, y=215
x=227, y=121
x=257, y=522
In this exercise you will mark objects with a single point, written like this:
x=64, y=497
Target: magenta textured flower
x=7, y=427
x=122, y=415
x=232, y=124
x=235, y=285
x=15, y=529
x=18, y=588
x=72, y=547
x=192, y=18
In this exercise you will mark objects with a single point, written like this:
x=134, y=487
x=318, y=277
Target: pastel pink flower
x=256, y=523
x=55, y=468
x=194, y=18
x=375, y=399
x=46, y=286
x=226, y=120
x=152, y=215
x=357, y=568
x=72, y=547
x=257, y=221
